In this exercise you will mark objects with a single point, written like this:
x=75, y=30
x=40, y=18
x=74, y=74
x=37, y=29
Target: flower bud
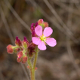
x=25, y=43
x=24, y=59
x=20, y=54
x=25, y=40
x=18, y=41
x=36, y=24
x=10, y=49
x=32, y=27
x=40, y=21
x=18, y=59
x=31, y=49
x=33, y=33
x=46, y=24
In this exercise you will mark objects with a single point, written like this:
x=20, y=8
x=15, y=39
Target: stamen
x=43, y=38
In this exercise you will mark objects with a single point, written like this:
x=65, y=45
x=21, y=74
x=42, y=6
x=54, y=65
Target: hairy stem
x=32, y=68
x=35, y=59
x=34, y=63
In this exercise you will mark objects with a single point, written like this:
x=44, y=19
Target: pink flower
x=43, y=37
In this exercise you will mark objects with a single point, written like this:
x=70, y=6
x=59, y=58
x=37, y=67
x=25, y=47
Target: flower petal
x=47, y=31
x=51, y=42
x=35, y=40
x=42, y=46
x=38, y=30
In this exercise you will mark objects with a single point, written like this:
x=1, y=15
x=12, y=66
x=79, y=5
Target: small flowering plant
x=41, y=36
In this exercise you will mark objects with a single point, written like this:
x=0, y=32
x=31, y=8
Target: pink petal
x=42, y=46
x=51, y=42
x=47, y=31
x=38, y=30
x=35, y=40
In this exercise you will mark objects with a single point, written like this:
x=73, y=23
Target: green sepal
x=25, y=45
x=42, y=24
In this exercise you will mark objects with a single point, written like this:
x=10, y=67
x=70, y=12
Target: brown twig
x=66, y=8
x=6, y=26
x=68, y=43
x=10, y=35
x=16, y=15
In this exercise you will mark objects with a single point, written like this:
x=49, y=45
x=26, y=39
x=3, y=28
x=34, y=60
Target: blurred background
x=61, y=62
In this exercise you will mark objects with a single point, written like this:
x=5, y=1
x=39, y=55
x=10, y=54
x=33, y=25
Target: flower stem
x=32, y=74
x=32, y=68
x=34, y=63
x=35, y=60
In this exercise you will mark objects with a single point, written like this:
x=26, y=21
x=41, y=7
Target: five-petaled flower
x=43, y=37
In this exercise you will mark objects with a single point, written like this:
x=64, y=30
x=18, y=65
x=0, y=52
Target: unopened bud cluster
x=22, y=48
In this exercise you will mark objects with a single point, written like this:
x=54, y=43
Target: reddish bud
x=25, y=43
x=32, y=27
x=24, y=59
x=20, y=54
x=31, y=48
x=18, y=59
x=25, y=40
x=40, y=21
x=18, y=41
x=10, y=49
x=33, y=33
x=46, y=24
